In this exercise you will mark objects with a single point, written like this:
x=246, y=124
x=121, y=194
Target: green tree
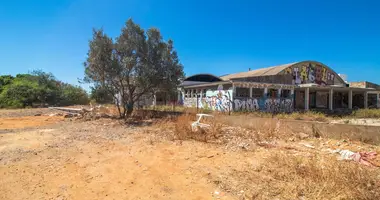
x=72, y=95
x=20, y=93
x=133, y=66
x=100, y=94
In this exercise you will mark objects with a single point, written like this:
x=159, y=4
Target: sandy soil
x=102, y=159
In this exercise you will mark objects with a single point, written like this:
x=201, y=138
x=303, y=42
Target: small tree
x=133, y=66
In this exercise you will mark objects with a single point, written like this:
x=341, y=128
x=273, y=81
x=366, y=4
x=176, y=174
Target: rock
x=303, y=136
x=68, y=115
x=38, y=114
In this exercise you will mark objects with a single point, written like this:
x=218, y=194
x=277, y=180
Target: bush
x=38, y=89
x=366, y=113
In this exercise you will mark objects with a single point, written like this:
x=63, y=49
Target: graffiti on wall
x=220, y=100
x=264, y=104
x=311, y=73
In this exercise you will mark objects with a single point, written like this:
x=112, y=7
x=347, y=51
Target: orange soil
x=28, y=121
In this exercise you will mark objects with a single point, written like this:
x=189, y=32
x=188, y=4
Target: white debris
x=196, y=124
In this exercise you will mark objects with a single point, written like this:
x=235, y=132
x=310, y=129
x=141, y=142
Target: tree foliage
x=100, y=95
x=132, y=66
x=38, y=89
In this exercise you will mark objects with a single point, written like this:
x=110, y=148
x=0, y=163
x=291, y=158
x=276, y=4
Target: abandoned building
x=291, y=87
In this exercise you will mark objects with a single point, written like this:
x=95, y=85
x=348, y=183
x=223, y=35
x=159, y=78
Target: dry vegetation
x=156, y=155
x=283, y=173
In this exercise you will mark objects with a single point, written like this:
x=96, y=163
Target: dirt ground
x=43, y=157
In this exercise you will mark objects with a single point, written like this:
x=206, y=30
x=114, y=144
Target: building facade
x=286, y=88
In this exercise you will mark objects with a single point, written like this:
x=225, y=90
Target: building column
x=378, y=100
x=250, y=92
x=265, y=92
x=279, y=93
x=331, y=99
x=350, y=99
x=307, y=91
x=154, y=99
x=365, y=99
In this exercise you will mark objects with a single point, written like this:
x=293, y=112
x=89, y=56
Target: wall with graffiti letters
x=274, y=105
x=220, y=100
x=310, y=72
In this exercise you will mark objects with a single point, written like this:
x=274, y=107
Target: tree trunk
x=129, y=109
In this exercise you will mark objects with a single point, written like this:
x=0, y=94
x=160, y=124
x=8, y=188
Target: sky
x=218, y=37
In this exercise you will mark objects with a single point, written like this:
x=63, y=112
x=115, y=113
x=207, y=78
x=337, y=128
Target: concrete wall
x=368, y=134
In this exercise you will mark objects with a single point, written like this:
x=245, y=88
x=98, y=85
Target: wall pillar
x=265, y=92
x=331, y=99
x=250, y=92
x=307, y=91
x=154, y=99
x=378, y=100
x=365, y=99
x=279, y=93
x=350, y=99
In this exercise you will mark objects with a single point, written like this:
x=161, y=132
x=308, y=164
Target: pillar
x=154, y=99
x=307, y=91
x=178, y=96
x=365, y=99
x=250, y=92
x=378, y=100
x=265, y=92
x=350, y=99
x=279, y=93
x=331, y=99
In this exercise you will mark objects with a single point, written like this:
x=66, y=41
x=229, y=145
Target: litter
x=196, y=124
x=307, y=145
x=360, y=157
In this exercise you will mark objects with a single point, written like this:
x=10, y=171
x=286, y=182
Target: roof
x=203, y=78
x=274, y=70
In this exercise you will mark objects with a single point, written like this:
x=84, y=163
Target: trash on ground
x=196, y=124
x=307, y=145
x=360, y=157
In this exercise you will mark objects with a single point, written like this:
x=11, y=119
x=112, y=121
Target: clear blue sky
x=217, y=37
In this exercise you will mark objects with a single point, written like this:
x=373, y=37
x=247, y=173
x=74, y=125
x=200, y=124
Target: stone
x=303, y=136
x=68, y=115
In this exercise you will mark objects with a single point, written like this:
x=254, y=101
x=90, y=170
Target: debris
x=267, y=144
x=307, y=145
x=55, y=114
x=38, y=114
x=360, y=157
x=196, y=124
x=68, y=115
x=303, y=136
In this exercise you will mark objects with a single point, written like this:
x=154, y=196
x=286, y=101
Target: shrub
x=366, y=113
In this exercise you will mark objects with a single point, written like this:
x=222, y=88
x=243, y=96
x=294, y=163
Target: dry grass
x=283, y=175
x=183, y=131
x=366, y=113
